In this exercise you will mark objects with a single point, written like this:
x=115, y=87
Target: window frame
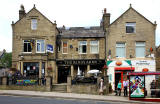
x=65, y=47
x=40, y=46
x=140, y=46
x=91, y=44
x=34, y=23
x=130, y=24
x=27, y=46
x=120, y=47
x=82, y=47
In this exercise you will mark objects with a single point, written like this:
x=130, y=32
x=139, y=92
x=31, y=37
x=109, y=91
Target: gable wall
x=22, y=30
x=145, y=31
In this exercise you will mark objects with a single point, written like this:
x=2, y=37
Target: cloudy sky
x=73, y=13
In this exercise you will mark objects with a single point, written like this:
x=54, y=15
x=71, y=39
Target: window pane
x=80, y=49
x=64, y=44
x=94, y=46
x=120, y=50
x=29, y=47
x=140, y=49
x=84, y=49
x=94, y=49
x=65, y=48
x=25, y=47
x=38, y=47
x=130, y=27
x=34, y=24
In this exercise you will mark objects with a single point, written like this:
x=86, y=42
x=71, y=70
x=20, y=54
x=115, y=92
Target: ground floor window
x=31, y=69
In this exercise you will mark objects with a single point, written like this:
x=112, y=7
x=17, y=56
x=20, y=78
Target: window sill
x=94, y=53
x=40, y=52
x=64, y=53
x=82, y=53
x=26, y=52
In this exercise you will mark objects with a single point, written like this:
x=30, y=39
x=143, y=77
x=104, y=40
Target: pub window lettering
x=27, y=46
x=131, y=27
x=83, y=47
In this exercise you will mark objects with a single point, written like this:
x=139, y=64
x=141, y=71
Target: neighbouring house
x=158, y=58
x=130, y=44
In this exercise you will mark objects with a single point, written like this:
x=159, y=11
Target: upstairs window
x=34, y=24
x=120, y=50
x=40, y=46
x=27, y=46
x=65, y=47
x=94, y=46
x=140, y=49
x=130, y=27
x=83, y=47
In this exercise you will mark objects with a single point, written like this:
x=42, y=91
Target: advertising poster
x=137, y=86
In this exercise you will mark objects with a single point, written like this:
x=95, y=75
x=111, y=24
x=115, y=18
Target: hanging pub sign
x=137, y=86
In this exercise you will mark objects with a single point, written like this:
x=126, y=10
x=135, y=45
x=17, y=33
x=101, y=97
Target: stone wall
x=73, y=52
x=84, y=88
x=145, y=32
x=28, y=88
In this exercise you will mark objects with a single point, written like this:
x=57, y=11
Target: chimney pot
x=21, y=12
x=105, y=11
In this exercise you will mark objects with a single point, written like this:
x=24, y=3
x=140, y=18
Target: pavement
x=110, y=97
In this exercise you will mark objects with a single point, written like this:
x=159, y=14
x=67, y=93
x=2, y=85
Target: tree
x=6, y=60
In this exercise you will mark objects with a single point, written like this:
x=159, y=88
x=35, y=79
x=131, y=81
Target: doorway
x=63, y=73
x=117, y=78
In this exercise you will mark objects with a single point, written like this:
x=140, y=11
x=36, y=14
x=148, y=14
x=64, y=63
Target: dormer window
x=34, y=24
x=130, y=27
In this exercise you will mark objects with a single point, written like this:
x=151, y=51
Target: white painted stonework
x=139, y=66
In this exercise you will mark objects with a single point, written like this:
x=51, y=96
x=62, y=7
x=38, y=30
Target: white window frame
x=92, y=44
x=40, y=46
x=133, y=24
x=23, y=47
x=34, y=24
x=82, y=48
x=63, y=47
x=140, y=46
x=120, y=47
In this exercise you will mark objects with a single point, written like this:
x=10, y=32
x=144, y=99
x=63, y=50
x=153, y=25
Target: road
x=41, y=100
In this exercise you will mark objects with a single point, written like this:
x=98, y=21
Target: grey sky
x=73, y=13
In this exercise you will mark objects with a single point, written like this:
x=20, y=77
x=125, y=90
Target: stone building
x=41, y=49
x=33, y=34
x=81, y=49
x=158, y=58
x=130, y=45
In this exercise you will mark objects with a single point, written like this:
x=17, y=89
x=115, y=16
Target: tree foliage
x=6, y=60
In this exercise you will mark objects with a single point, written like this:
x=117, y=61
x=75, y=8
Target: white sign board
x=143, y=62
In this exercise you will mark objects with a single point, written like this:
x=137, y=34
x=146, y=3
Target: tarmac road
x=42, y=100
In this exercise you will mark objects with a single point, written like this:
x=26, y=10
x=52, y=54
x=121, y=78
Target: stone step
x=59, y=87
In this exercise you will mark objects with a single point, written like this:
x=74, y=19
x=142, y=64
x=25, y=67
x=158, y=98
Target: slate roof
x=82, y=32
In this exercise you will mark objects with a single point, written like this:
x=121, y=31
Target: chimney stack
x=21, y=12
x=105, y=19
